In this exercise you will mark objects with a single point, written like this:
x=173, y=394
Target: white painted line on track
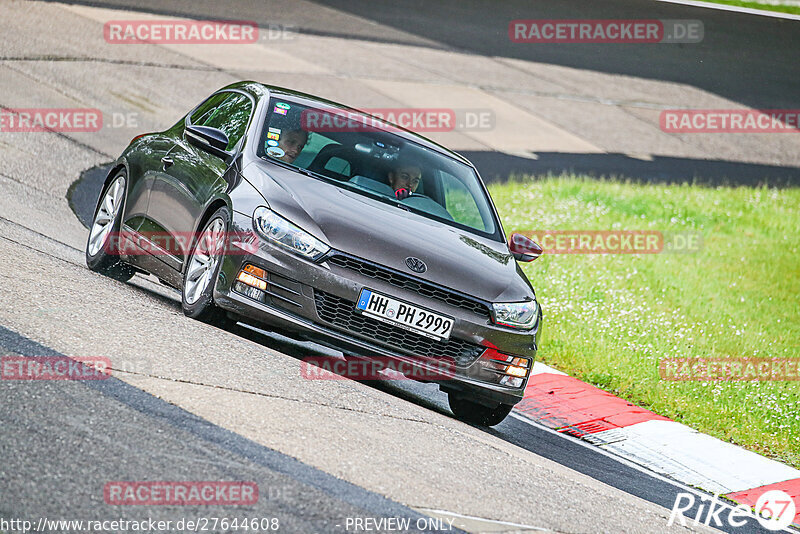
x=692, y=457
x=624, y=461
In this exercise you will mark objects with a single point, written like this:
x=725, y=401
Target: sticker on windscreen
x=280, y=111
x=275, y=152
x=272, y=142
x=283, y=105
x=273, y=135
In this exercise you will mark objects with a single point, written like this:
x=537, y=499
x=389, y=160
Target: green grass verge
x=610, y=319
x=794, y=10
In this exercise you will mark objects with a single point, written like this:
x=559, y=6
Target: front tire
x=477, y=414
x=202, y=268
x=102, y=250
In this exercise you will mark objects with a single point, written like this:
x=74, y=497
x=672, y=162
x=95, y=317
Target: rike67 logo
x=774, y=510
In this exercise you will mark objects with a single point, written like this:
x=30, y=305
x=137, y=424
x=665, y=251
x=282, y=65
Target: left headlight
x=521, y=315
x=282, y=232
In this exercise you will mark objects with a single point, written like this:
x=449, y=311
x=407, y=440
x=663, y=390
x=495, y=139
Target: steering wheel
x=418, y=195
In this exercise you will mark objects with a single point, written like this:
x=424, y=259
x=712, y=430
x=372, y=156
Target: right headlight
x=520, y=315
x=280, y=231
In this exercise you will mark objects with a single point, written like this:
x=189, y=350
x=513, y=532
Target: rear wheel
x=102, y=250
x=201, y=272
x=477, y=414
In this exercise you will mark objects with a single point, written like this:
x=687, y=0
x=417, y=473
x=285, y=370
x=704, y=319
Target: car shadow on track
x=425, y=395
x=164, y=294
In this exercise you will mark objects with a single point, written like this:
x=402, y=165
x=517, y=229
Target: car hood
x=367, y=228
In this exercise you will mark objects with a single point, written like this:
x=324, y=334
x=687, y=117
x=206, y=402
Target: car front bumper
x=316, y=301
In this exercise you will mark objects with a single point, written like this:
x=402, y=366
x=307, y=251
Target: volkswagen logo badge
x=416, y=265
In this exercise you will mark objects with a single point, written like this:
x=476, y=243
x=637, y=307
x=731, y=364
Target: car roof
x=260, y=90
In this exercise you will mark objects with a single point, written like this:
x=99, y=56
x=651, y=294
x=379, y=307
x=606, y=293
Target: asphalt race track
x=191, y=402
x=88, y=446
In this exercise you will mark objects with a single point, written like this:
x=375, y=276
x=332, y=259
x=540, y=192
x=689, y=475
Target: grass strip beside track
x=610, y=318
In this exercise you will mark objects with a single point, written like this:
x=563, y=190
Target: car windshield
x=362, y=154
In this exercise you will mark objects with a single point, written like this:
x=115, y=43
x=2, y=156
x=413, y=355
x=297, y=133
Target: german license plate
x=405, y=315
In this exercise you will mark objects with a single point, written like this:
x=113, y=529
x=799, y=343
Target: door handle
x=167, y=161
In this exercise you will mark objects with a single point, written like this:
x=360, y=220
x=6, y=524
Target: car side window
x=205, y=109
x=230, y=115
x=460, y=202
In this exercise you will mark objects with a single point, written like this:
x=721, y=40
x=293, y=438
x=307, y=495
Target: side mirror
x=212, y=140
x=524, y=248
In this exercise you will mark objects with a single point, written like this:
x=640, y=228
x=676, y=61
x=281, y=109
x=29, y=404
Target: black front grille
x=341, y=314
x=426, y=289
